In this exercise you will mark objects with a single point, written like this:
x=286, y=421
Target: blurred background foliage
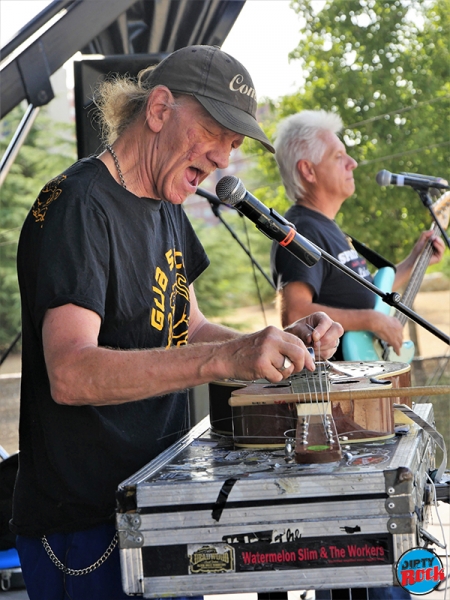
x=233, y=280
x=48, y=150
x=385, y=68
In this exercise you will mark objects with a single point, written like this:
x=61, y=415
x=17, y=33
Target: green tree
x=48, y=150
x=231, y=281
x=384, y=66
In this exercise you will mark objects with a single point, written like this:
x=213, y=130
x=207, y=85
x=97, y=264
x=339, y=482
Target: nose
x=220, y=155
x=352, y=164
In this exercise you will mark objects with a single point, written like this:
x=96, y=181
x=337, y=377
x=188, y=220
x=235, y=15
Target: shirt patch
x=49, y=194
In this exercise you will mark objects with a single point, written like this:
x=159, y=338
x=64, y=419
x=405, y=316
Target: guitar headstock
x=441, y=209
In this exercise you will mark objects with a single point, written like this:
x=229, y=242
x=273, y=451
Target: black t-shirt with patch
x=89, y=242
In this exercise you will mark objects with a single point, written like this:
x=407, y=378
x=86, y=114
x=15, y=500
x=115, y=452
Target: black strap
x=222, y=498
x=376, y=259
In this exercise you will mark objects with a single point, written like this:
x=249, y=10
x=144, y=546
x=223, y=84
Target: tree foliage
x=48, y=150
x=231, y=280
x=384, y=66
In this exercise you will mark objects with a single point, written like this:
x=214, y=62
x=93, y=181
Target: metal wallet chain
x=85, y=571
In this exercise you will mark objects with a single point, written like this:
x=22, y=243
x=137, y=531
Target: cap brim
x=235, y=119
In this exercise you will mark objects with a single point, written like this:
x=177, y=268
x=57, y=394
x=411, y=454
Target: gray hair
x=300, y=137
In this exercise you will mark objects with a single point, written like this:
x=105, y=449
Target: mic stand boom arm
x=390, y=298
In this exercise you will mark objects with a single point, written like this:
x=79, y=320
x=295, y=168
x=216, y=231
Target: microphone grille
x=383, y=177
x=230, y=189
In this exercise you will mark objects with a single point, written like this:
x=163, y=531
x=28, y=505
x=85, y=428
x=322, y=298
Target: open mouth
x=194, y=176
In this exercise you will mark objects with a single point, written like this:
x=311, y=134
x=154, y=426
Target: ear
x=158, y=108
x=306, y=170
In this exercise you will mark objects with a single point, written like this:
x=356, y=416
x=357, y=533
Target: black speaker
x=88, y=73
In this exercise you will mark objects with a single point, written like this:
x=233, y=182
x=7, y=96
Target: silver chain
x=85, y=571
x=116, y=162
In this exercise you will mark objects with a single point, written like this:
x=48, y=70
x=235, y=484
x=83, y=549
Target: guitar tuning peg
x=288, y=448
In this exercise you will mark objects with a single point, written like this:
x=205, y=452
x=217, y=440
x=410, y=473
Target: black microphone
x=418, y=182
x=434, y=193
x=231, y=191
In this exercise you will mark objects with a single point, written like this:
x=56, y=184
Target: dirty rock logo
x=420, y=571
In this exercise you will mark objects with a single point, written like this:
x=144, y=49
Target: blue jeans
x=78, y=550
x=375, y=593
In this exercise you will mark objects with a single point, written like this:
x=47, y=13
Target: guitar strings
x=415, y=282
x=318, y=391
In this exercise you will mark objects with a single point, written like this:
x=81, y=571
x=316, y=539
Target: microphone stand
x=215, y=204
x=391, y=298
x=297, y=244
x=427, y=202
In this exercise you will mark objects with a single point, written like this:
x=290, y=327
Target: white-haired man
x=317, y=173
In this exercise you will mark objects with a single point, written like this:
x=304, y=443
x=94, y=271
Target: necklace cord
x=116, y=162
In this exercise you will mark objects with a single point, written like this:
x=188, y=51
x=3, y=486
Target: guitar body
x=264, y=415
x=363, y=345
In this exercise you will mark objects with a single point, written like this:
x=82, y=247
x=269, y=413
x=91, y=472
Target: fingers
x=275, y=355
x=294, y=356
x=390, y=330
x=438, y=245
x=326, y=335
x=324, y=352
x=319, y=331
x=438, y=249
x=269, y=354
x=286, y=368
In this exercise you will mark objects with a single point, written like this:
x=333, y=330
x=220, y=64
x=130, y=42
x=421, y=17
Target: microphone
x=230, y=190
x=418, y=182
x=434, y=193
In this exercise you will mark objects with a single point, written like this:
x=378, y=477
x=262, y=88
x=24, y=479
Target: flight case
x=205, y=517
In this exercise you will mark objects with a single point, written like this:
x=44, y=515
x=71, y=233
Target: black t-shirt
x=330, y=285
x=89, y=242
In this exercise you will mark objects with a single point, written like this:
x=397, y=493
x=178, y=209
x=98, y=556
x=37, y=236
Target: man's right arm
x=81, y=372
x=297, y=302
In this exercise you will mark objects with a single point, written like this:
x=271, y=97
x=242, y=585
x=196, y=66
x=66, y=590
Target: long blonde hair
x=120, y=100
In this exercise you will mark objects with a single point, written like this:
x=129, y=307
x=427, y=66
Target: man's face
x=190, y=146
x=335, y=171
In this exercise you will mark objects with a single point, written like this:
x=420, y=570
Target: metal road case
x=207, y=518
